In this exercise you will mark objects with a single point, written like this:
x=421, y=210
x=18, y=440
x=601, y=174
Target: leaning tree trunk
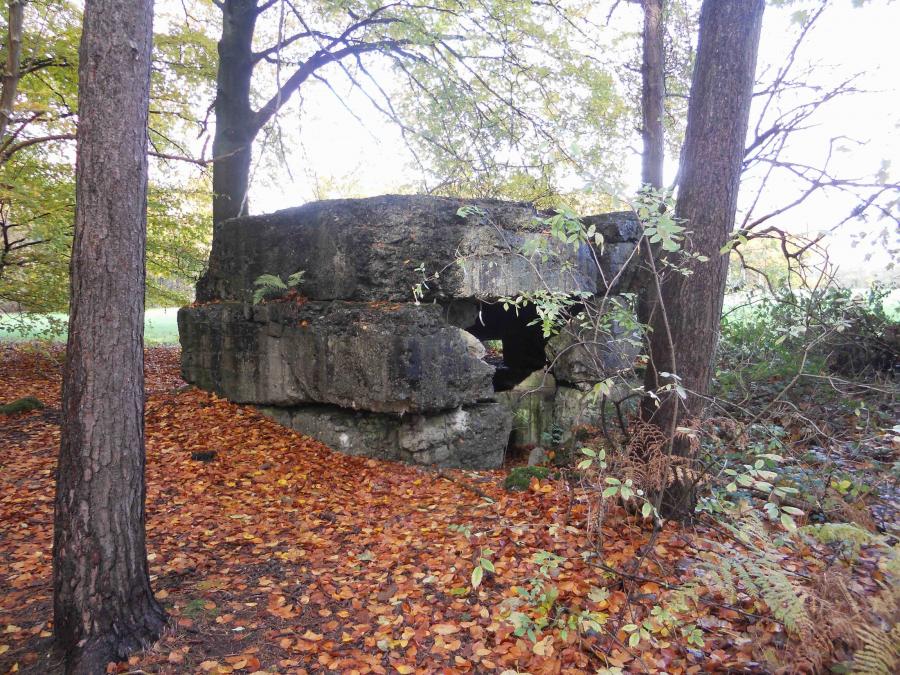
x=686, y=326
x=235, y=125
x=103, y=605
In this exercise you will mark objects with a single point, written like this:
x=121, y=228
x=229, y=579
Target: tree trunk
x=15, y=23
x=653, y=92
x=235, y=127
x=653, y=87
x=103, y=605
x=686, y=327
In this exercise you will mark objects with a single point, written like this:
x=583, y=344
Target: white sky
x=337, y=156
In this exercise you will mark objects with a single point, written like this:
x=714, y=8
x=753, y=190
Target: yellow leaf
x=544, y=647
x=444, y=628
x=404, y=669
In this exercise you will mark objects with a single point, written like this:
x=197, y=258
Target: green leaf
x=646, y=509
x=486, y=564
x=477, y=575
x=670, y=245
x=788, y=522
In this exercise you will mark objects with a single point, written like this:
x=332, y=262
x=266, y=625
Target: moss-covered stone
x=21, y=405
x=520, y=476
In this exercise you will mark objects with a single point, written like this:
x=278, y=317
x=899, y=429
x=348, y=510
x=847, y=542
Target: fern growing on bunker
x=272, y=286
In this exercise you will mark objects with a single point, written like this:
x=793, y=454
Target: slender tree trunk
x=103, y=605
x=686, y=327
x=235, y=124
x=653, y=91
x=653, y=94
x=15, y=24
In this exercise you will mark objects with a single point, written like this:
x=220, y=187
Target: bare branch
x=13, y=149
x=310, y=66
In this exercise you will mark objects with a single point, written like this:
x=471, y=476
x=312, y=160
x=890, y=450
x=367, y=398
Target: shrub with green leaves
x=825, y=330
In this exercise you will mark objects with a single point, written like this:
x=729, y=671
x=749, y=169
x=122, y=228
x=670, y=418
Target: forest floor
x=280, y=555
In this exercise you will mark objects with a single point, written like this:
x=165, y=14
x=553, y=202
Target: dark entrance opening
x=522, y=344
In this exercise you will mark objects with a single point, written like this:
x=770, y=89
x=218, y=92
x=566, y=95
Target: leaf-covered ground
x=280, y=555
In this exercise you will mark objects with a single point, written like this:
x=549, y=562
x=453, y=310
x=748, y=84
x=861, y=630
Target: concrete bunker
x=360, y=363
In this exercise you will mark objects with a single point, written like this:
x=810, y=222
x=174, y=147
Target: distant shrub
x=836, y=329
x=25, y=404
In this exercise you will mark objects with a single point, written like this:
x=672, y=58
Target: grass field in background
x=160, y=326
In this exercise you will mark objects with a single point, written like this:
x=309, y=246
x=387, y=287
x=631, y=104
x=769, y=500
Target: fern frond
x=296, y=278
x=267, y=285
x=270, y=281
x=880, y=653
x=759, y=574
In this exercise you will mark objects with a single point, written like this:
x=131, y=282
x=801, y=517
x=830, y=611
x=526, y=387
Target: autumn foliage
x=273, y=553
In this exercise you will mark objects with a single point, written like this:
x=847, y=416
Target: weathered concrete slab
x=388, y=358
x=584, y=355
x=531, y=405
x=621, y=232
x=370, y=249
x=573, y=408
x=357, y=364
x=469, y=437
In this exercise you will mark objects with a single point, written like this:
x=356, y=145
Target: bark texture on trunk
x=653, y=87
x=653, y=93
x=15, y=25
x=103, y=605
x=685, y=329
x=235, y=119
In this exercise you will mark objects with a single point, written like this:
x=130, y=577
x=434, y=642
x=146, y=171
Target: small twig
x=468, y=486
